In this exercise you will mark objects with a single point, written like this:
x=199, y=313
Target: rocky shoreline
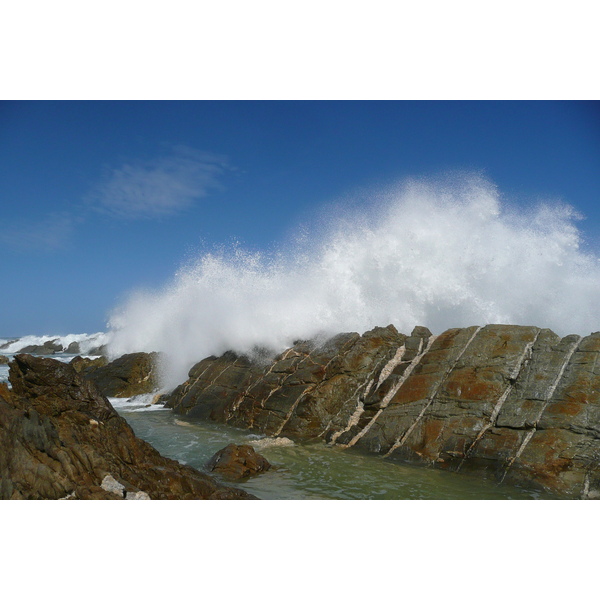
x=62, y=439
x=514, y=404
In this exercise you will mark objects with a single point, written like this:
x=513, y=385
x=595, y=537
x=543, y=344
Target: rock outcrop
x=85, y=365
x=73, y=348
x=237, y=462
x=515, y=403
x=60, y=438
x=308, y=391
x=4, y=360
x=129, y=375
x=45, y=349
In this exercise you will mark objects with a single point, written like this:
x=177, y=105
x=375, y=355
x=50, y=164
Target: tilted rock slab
x=516, y=403
x=60, y=438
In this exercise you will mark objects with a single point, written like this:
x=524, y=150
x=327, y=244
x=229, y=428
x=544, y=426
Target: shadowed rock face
x=516, y=403
x=59, y=438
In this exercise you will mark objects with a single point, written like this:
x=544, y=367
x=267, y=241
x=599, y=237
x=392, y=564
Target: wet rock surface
x=237, y=462
x=518, y=404
x=61, y=439
x=129, y=375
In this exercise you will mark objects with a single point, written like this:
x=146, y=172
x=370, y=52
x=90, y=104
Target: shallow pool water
x=309, y=470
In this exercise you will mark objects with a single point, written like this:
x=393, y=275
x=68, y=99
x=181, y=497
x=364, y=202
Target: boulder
x=4, y=360
x=85, y=365
x=42, y=350
x=61, y=439
x=129, y=375
x=53, y=346
x=73, y=348
x=514, y=403
x=237, y=462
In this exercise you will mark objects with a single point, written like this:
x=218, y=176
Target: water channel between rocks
x=309, y=470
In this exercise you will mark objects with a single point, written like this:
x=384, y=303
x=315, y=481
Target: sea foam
x=86, y=342
x=435, y=253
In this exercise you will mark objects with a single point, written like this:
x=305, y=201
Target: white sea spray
x=3, y=373
x=136, y=403
x=439, y=254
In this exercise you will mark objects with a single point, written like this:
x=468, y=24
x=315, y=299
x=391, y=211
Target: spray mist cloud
x=439, y=254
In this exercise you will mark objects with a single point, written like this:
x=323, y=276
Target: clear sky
x=99, y=198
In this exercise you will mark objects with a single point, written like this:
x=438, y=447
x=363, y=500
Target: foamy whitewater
x=87, y=342
x=439, y=254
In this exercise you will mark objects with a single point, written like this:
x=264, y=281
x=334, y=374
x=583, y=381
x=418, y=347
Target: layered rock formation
x=516, y=403
x=60, y=438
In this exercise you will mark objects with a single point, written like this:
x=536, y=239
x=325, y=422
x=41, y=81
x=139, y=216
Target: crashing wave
x=75, y=343
x=439, y=254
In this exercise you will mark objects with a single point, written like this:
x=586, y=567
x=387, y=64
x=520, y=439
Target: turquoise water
x=310, y=470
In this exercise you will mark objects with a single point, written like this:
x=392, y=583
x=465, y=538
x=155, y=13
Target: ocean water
x=305, y=471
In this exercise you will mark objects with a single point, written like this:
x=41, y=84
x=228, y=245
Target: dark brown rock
x=129, y=375
x=237, y=462
x=60, y=438
x=4, y=360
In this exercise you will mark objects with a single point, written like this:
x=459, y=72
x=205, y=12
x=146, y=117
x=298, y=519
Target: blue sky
x=99, y=198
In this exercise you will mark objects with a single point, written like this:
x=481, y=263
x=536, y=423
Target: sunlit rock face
x=516, y=403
